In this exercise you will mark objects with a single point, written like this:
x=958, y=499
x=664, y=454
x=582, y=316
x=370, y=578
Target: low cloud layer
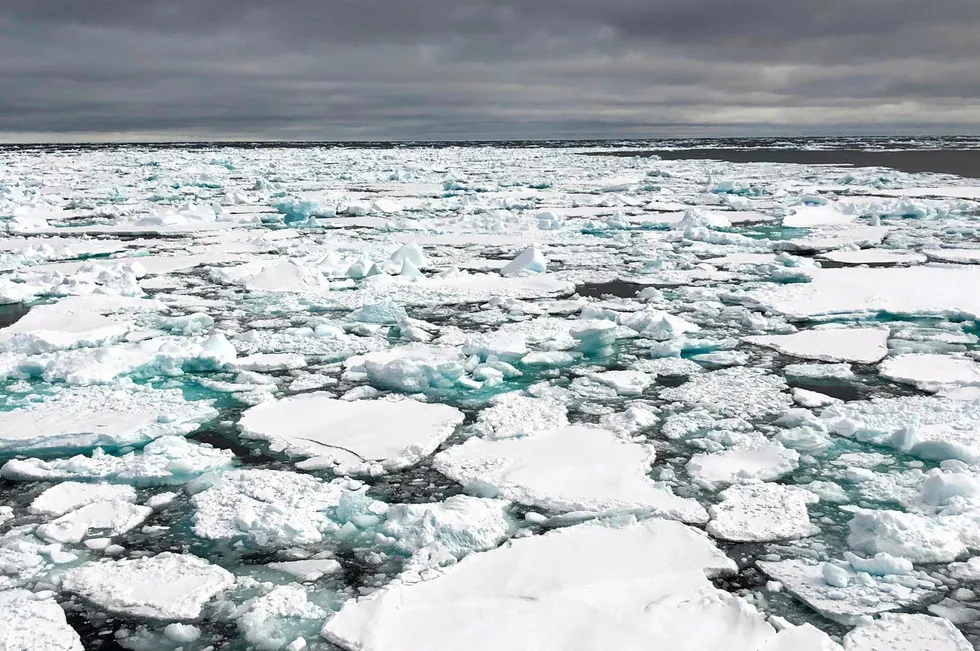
x=458, y=69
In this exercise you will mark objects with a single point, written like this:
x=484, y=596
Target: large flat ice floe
x=860, y=345
x=585, y=587
x=575, y=468
x=166, y=586
x=913, y=290
x=351, y=436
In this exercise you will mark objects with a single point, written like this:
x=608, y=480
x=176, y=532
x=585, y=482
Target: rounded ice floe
x=931, y=372
x=411, y=368
x=166, y=586
x=742, y=391
x=574, y=468
x=861, y=345
x=100, y=416
x=287, y=276
x=901, y=632
x=515, y=414
x=968, y=570
x=761, y=513
x=764, y=462
x=657, y=324
x=168, y=460
x=846, y=598
x=586, y=587
x=507, y=346
x=36, y=622
x=914, y=537
x=959, y=256
x=268, y=508
x=351, y=436
x=813, y=399
x=927, y=427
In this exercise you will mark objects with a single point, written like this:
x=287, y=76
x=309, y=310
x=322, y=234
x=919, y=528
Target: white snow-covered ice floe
x=487, y=396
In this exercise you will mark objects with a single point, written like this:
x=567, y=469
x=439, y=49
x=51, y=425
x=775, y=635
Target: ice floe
x=556, y=471
x=351, y=436
x=578, y=588
x=165, y=587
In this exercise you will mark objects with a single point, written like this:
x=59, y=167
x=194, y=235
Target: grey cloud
x=476, y=68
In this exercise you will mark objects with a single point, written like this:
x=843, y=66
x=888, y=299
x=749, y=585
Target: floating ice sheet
x=574, y=468
x=351, y=436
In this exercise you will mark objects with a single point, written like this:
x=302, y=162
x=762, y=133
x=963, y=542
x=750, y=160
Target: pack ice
x=486, y=396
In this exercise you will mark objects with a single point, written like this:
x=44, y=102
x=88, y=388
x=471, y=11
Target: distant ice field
x=572, y=395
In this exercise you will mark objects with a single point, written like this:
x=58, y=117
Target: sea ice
x=582, y=588
x=269, y=508
x=907, y=535
x=762, y=513
x=107, y=415
x=71, y=495
x=351, y=436
x=861, y=345
x=165, y=461
x=575, y=468
x=751, y=392
x=166, y=586
x=860, y=595
x=931, y=372
x=759, y=462
x=901, y=632
x=34, y=622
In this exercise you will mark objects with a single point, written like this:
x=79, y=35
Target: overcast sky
x=459, y=69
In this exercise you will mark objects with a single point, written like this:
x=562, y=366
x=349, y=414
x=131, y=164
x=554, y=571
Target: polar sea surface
x=500, y=397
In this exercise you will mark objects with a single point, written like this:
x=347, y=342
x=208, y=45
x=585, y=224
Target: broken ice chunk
x=762, y=512
x=901, y=632
x=166, y=586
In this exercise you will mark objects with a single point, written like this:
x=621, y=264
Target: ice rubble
x=165, y=461
x=34, y=621
x=113, y=416
x=856, y=593
x=268, y=508
x=556, y=471
x=351, y=436
x=907, y=633
x=166, y=586
x=584, y=587
x=250, y=277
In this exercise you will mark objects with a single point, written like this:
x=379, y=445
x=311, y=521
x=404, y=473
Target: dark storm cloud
x=468, y=68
